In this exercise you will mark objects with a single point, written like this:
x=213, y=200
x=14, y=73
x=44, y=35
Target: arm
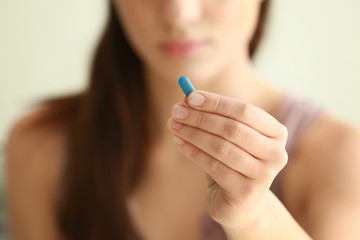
x=241, y=148
x=33, y=164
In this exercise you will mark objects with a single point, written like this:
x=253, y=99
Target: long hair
x=107, y=138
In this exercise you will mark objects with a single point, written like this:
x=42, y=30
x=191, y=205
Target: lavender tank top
x=297, y=114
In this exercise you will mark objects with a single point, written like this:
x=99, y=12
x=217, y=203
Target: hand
x=240, y=147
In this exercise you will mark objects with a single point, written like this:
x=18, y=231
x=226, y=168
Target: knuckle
x=220, y=105
x=233, y=130
x=277, y=152
x=215, y=166
x=201, y=120
x=217, y=104
x=194, y=153
x=246, y=110
x=284, y=159
x=283, y=132
x=267, y=173
x=191, y=133
x=223, y=150
x=281, y=156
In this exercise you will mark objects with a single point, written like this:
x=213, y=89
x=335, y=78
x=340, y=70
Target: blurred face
x=197, y=38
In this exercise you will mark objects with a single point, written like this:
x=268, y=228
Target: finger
x=241, y=111
x=243, y=136
x=222, y=150
x=230, y=180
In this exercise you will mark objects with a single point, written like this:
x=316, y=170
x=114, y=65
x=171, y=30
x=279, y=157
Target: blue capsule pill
x=186, y=85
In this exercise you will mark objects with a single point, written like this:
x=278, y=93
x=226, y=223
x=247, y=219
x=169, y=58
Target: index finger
x=236, y=109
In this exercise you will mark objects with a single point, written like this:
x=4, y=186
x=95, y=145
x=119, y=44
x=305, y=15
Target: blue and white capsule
x=186, y=85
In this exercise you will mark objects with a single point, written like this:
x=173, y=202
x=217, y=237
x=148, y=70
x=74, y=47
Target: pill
x=186, y=85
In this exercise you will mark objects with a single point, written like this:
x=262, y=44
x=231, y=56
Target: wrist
x=254, y=222
x=271, y=221
x=245, y=231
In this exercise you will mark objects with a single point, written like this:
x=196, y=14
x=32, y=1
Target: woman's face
x=197, y=38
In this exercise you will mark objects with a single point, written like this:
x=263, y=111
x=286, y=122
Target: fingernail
x=180, y=112
x=196, y=99
x=175, y=125
x=178, y=141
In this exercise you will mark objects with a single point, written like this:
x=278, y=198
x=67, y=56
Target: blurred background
x=310, y=48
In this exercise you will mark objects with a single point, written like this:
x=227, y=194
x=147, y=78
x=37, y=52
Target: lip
x=182, y=49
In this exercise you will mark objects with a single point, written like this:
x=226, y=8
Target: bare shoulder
x=324, y=179
x=36, y=145
x=332, y=146
x=34, y=158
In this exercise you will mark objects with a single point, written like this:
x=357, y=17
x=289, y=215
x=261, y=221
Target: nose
x=179, y=13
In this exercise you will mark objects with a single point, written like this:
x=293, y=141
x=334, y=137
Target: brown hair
x=108, y=139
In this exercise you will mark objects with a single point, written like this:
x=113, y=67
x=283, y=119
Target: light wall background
x=311, y=48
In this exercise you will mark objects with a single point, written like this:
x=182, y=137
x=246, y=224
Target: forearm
x=275, y=222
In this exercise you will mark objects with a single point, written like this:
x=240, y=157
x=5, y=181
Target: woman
x=101, y=164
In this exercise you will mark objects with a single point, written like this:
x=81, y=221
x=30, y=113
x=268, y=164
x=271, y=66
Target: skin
x=231, y=137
